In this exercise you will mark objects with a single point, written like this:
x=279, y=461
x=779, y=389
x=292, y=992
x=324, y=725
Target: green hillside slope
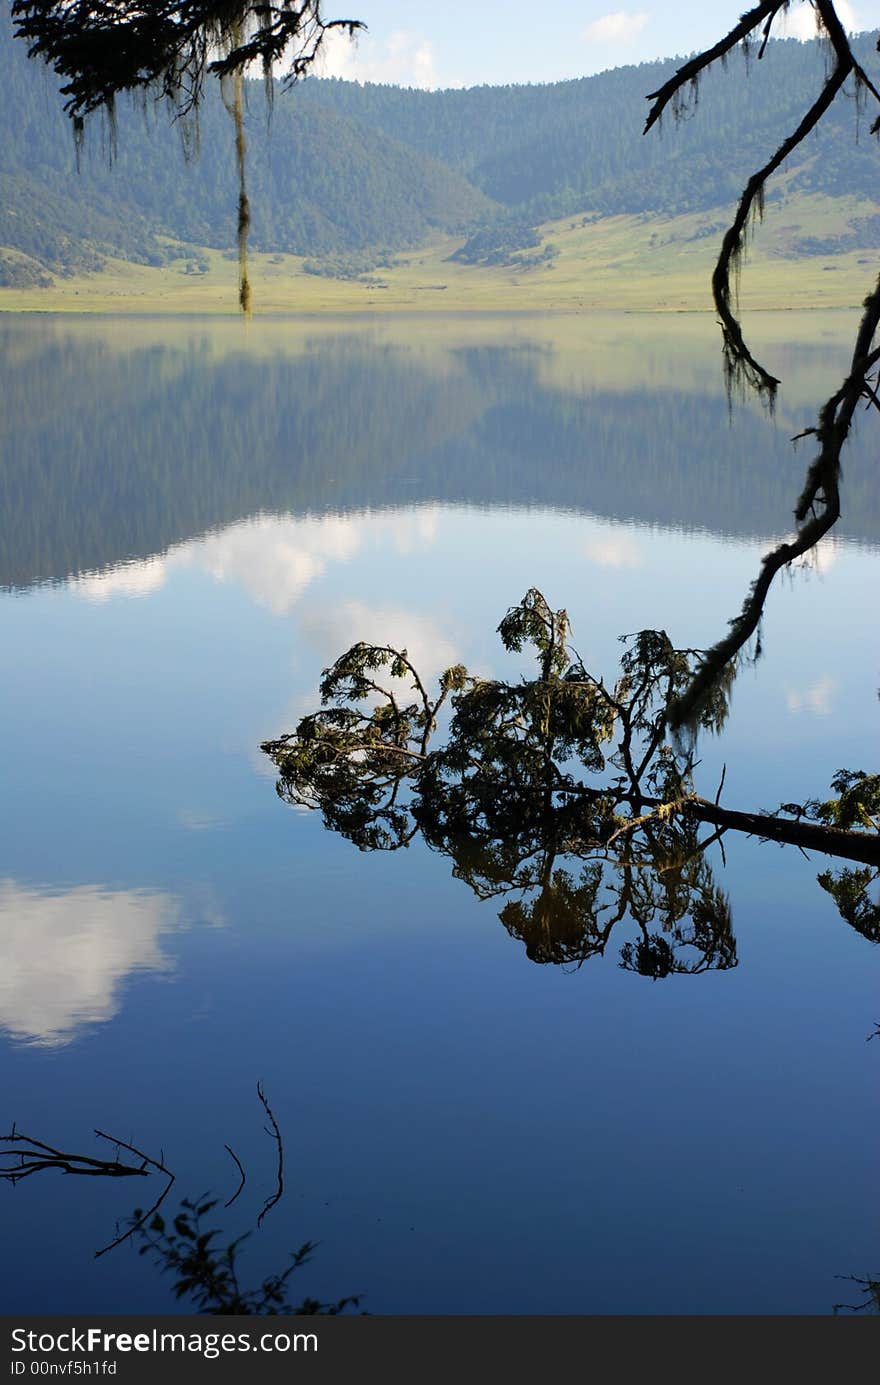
x=319, y=182
x=554, y=149
x=347, y=173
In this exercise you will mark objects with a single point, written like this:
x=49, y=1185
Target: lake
x=198, y=517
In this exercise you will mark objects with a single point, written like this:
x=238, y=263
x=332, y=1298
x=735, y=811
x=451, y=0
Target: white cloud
x=816, y=699
x=411, y=532
x=274, y=558
x=63, y=957
x=619, y=551
x=823, y=557
x=619, y=27
x=332, y=631
x=800, y=21
x=404, y=59
x=128, y=579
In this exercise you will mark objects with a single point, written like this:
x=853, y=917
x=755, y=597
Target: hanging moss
x=100, y=51
x=818, y=507
x=234, y=102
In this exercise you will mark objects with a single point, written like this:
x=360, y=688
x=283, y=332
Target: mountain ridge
x=350, y=173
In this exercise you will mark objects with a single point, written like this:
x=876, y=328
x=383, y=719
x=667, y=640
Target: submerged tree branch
x=241, y=1173
x=26, y=1156
x=279, y=1144
x=160, y=1167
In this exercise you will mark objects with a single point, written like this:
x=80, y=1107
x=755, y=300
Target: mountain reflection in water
x=196, y=521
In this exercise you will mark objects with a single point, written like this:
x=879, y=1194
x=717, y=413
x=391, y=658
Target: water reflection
x=153, y=471
x=851, y=891
x=512, y=797
x=274, y=559
x=204, y=1275
x=123, y=449
x=66, y=955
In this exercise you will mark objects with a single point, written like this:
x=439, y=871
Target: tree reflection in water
x=207, y=1274
x=564, y=797
x=561, y=797
x=203, y=1266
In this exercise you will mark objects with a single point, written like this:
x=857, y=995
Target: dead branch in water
x=160, y=1167
x=275, y=1134
x=27, y=1156
x=232, y=1154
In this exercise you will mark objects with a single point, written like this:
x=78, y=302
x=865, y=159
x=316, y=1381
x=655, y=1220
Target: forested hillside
x=346, y=426
x=319, y=182
x=356, y=170
x=552, y=150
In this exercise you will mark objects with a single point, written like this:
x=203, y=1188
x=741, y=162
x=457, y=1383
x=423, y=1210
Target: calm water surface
x=196, y=520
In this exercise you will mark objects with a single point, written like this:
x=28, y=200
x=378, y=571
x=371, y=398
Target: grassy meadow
x=638, y=263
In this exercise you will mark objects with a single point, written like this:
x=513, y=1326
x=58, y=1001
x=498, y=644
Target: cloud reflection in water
x=65, y=955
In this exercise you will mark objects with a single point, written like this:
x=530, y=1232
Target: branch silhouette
x=565, y=797
x=203, y=1272
x=819, y=506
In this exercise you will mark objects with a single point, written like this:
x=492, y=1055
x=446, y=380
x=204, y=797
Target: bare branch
x=822, y=486
x=232, y=1154
x=160, y=1167
x=692, y=70
x=34, y=1156
x=739, y=361
x=275, y=1133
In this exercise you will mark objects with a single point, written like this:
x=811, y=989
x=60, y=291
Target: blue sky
x=469, y=42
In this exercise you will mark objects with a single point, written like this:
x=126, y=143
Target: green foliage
x=351, y=761
x=206, y=1274
x=857, y=807
x=347, y=169
x=17, y=272
x=319, y=183
x=501, y=244
x=507, y=795
x=563, y=148
x=857, y=804
x=850, y=890
x=697, y=931
x=565, y=798
x=504, y=244
x=169, y=46
x=356, y=266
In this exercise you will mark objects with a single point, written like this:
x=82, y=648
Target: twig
x=721, y=784
x=836, y=415
x=691, y=70
x=870, y=1288
x=660, y=812
x=232, y=1154
x=275, y=1134
x=35, y=1155
x=160, y=1167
